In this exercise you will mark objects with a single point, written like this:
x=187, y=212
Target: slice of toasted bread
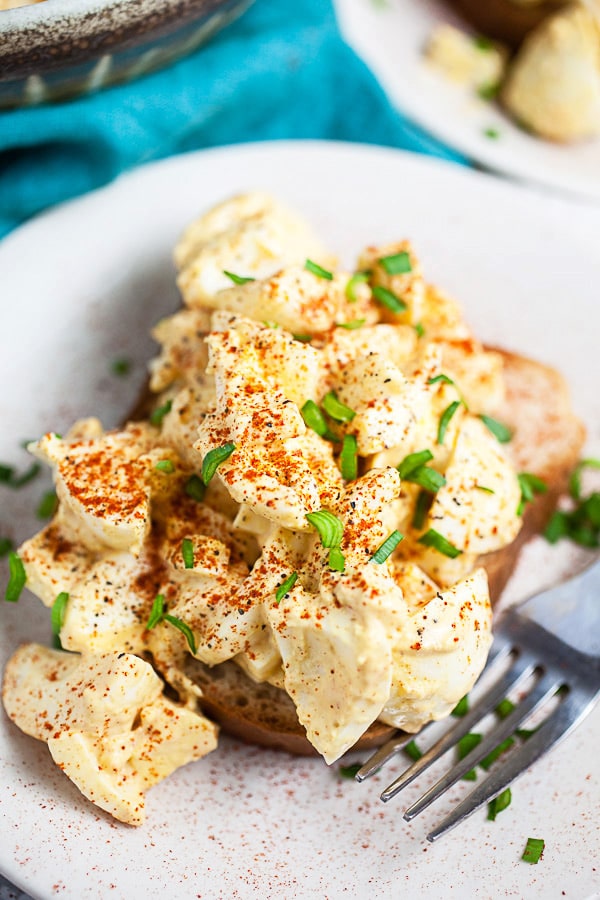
x=547, y=442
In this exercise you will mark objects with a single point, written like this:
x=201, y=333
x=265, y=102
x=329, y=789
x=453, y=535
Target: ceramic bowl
x=59, y=49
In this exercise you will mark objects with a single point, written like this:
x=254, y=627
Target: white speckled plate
x=81, y=286
x=390, y=36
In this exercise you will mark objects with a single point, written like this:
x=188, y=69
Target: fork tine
x=521, y=668
x=545, y=687
x=385, y=753
x=556, y=727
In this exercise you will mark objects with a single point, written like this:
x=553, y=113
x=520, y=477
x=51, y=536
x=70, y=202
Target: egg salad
x=309, y=497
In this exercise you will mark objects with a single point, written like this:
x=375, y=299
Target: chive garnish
x=158, y=614
x=487, y=762
x=318, y=270
x=195, y=488
x=336, y=560
x=397, y=263
x=349, y=458
x=461, y=708
x=412, y=750
x=421, y=509
x=440, y=379
x=413, y=461
x=356, y=279
x=213, y=460
x=533, y=850
x=437, y=541
x=501, y=432
x=158, y=414
x=314, y=418
x=445, y=420
x=419, y=329
x=58, y=612
x=120, y=367
x=495, y=806
x=303, y=338
x=47, y=505
x=352, y=325
x=187, y=552
x=482, y=487
x=388, y=299
x=286, y=586
x=16, y=577
x=482, y=42
x=467, y=743
x=504, y=708
x=10, y=479
x=330, y=528
x=387, y=548
x=492, y=133
x=489, y=91
x=6, y=473
x=237, y=279
x=429, y=479
x=336, y=409
x=165, y=465
x=6, y=545
x=349, y=771
x=530, y=485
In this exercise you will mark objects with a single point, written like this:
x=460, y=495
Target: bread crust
x=547, y=441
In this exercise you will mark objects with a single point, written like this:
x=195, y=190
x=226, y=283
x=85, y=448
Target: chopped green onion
x=492, y=133
x=412, y=750
x=421, y=509
x=352, y=325
x=355, y=280
x=388, y=299
x=349, y=771
x=467, y=743
x=158, y=414
x=6, y=473
x=461, y=708
x=8, y=476
x=483, y=43
x=440, y=379
x=330, y=528
x=58, y=612
x=426, y=478
x=303, y=338
x=533, y=850
x=530, y=485
x=487, y=762
x=318, y=270
x=120, y=367
x=314, y=418
x=419, y=329
x=445, y=420
x=557, y=527
x=16, y=577
x=187, y=552
x=575, y=478
x=336, y=560
x=157, y=611
x=184, y=629
x=388, y=547
x=397, y=263
x=47, y=505
x=195, y=488
x=489, y=91
x=213, y=460
x=504, y=708
x=501, y=432
x=237, y=279
x=414, y=461
x=165, y=465
x=433, y=538
x=495, y=806
x=336, y=409
x=482, y=487
x=349, y=458
x=270, y=323
x=6, y=545
x=286, y=586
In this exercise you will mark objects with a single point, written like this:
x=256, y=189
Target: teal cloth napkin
x=281, y=70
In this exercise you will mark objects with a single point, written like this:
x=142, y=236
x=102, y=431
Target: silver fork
x=552, y=640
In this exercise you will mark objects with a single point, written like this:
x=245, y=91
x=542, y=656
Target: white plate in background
x=390, y=36
x=81, y=287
